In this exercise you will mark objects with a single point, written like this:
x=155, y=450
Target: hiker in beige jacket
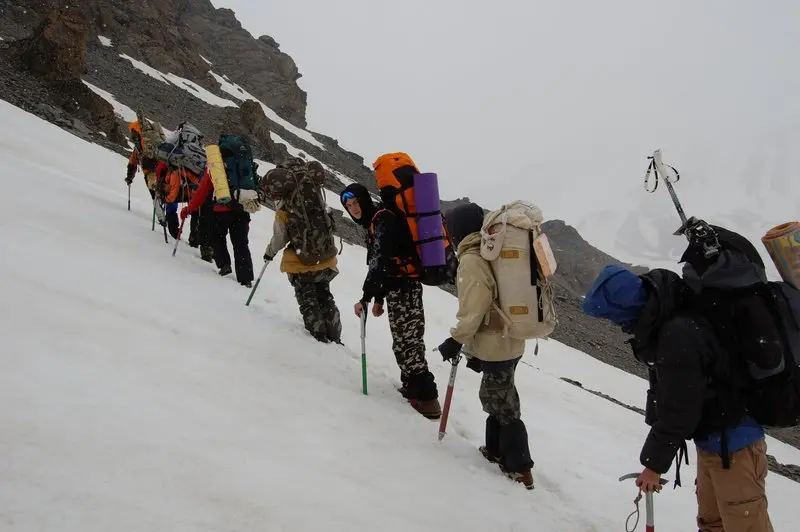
x=479, y=332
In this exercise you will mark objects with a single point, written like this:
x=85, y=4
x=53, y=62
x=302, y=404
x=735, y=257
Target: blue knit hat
x=617, y=295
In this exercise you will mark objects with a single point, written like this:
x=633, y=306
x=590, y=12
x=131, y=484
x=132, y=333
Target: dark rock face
x=55, y=50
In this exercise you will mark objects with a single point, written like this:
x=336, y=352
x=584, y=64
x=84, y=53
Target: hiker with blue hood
x=683, y=331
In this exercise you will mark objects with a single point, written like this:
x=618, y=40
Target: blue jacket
x=747, y=433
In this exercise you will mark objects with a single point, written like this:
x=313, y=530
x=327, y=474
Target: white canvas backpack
x=513, y=243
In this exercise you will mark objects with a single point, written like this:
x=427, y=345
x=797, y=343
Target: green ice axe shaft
x=253, y=291
x=364, y=349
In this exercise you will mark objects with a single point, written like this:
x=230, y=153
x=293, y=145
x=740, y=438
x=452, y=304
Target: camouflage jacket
x=290, y=263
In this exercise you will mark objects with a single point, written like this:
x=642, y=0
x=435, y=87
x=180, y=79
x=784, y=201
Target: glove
x=131, y=173
x=184, y=212
x=449, y=349
x=474, y=364
x=268, y=257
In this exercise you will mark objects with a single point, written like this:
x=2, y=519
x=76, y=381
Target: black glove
x=267, y=257
x=131, y=173
x=449, y=349
x=474, y=364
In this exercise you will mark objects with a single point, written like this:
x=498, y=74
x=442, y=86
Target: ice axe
x=260, y=275
x=695, y=230
x=449, y=395
x=648, y=504
x=364, y=349
x=178, y=239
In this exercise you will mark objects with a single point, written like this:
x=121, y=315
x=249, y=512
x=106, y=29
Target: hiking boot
x=207, y=253
x=526, y=478
x=321, y=338
x=225, y=270
x=335, y=340
x=493, y=458
x=246, y=284
x=429, y=408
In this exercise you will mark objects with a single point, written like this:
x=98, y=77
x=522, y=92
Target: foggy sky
x=561, y=100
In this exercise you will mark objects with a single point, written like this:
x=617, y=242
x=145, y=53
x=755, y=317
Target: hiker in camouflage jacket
x=387, y=244
x=311, y=282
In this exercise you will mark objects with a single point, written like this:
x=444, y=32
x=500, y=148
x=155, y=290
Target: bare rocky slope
x=50, y=47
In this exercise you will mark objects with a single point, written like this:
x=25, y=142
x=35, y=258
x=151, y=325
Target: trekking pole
x=364, y=349
x=255, y=285
x=695, y=230
x=178, y=239
x=129, y=196
x=448, y=396
x=153, y=228
x=658, y=168
x=649, y=525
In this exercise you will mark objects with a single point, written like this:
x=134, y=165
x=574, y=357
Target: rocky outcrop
x=55, y=54
x=55, y=51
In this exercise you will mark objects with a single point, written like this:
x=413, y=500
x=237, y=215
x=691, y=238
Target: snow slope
x=140, y=394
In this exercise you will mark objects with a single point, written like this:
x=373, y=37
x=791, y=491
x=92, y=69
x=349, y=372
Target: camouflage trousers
x=498, y=394
x=317, y=305
x=407, y=324
x=506, y=434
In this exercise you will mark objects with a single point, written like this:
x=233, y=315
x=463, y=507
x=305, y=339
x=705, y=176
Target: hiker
x=145, y=137
x=479, y=330
x=230, y=215
x=304, y=227
x=388, y=250
x=696, y=387
x=177, y=185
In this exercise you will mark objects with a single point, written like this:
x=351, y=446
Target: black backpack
x=773, y=397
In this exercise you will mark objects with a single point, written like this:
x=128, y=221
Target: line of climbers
x=720, y=343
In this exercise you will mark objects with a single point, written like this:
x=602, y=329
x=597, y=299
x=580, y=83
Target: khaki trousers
x=733, y=500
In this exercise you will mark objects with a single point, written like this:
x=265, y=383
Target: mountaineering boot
x=525, y=478
x=430, y=408
x=225, y=269
x=207, y=253
x=246, y=284
x=516, y=456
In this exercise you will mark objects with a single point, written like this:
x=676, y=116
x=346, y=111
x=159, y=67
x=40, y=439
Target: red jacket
x=201, y=194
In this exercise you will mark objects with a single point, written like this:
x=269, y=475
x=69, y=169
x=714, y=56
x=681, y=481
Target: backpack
x=510, y=238
x=241, y=179
x=184, y=149
x=773, y=397
x=297, y=187
x=152, y=135
x=414, y=197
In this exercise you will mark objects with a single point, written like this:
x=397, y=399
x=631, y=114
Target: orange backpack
x=395, y=173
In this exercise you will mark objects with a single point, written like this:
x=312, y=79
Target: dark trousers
x=237, y=223
x=201, y=225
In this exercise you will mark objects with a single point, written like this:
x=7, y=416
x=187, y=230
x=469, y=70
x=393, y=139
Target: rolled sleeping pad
x=219, y=178
x=429, y=221
x=783, y=245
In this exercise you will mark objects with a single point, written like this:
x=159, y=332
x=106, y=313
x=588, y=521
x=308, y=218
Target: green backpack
x=240, y=170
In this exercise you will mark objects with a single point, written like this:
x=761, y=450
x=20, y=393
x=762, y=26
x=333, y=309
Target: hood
x=617, y=295
x=738, y=265
x=368, y=208
x=470, y=243
x=666, y=295
x=464, y=220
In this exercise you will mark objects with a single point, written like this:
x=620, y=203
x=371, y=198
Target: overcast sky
x=558, y=99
